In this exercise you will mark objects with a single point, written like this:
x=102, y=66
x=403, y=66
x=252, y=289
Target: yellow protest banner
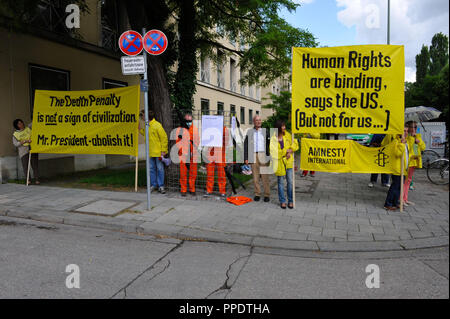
x=348, y=157
x=86, y=122
x=348, y=89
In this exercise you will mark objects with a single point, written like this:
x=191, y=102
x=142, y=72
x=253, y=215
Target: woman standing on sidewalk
x=22, y=139
x=402, y=152
x=281, y=150
x=417, y=146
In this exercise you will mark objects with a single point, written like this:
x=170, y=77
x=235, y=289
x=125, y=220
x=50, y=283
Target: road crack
x=230, y=281
x=155, y=265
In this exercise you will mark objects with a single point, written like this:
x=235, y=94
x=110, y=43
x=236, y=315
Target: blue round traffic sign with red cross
x=130, y=43
x=155, y=42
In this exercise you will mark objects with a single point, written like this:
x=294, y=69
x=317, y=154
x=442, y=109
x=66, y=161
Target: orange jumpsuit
x=188, y=154
x=216, y=158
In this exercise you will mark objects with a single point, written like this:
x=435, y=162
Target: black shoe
x=256, y=198
x=193, y=193
x=183, y=194
x=283, y=206
x=266, y=199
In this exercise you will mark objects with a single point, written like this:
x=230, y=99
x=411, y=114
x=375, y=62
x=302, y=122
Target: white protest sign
x=212, y=130
x=133, y=65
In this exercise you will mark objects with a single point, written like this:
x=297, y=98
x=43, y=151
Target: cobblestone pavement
x=334, y=212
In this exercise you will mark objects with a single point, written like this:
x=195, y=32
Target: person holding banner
x=187, y=143
x=22, y=139
x=379, y=140
x=402, y=152
x=281, y=150
x=216, y=159
x=417, y=146
x=313, y=136
x=158, y=149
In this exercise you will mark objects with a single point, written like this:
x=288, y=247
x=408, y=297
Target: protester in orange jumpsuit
x=187, y=142
x=216, y=158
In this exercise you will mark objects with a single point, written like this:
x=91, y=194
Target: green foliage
x=432, y=85
x=422, y=64
x=281, y=105
x=256, y=23
x=438, y=53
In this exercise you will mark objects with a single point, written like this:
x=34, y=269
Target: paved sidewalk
x=334, y=212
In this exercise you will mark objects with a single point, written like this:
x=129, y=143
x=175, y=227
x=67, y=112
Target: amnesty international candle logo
x=349, y=89
x=86, y=122
x=382, y=158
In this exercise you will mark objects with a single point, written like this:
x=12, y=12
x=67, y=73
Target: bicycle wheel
x=429, y=156
x=437, y=172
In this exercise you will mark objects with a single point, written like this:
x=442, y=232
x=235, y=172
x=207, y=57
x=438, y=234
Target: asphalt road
x=34, y=257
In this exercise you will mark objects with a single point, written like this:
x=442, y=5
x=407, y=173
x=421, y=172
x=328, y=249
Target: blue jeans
x=280, y=180
x=393, y=195
x=156, y=172
x=384, y=178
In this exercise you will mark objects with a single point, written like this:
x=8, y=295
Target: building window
x=205, y=70
x=250, y=115
x=50, y=15
x=109, y=25
x=219, y=108
x=46, y=78
x=220, y=72
x=258, y=93
x=241, y=84
x=233, y=84
x=204, y=106
x=242, y=115
x=112, y=84
x=233, y=110
x=250, y=91
x=257, y=113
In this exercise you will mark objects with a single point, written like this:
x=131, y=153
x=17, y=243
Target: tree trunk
x=185, y=79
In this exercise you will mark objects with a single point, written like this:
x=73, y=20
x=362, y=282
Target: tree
x=254, y=22
x=281, y=105
x=422, y=64
x=438, y=53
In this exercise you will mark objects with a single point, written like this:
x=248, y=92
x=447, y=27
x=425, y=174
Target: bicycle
x=429, y=156
x=438, y=171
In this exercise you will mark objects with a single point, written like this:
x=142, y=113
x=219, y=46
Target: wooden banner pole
x=136, y=175
x=28, y=169
x=293, y=171
x=401, y=180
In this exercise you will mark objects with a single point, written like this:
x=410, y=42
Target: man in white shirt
x=256, y=152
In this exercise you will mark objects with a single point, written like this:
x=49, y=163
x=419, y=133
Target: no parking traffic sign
x=130, y=43
x=155, y=42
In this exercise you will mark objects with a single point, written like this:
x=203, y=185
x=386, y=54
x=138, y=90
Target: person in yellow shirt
x=392, y=201
x=158, y=145
x=22, y=139
x=417, y=146
x=314, y=136
x=281, y=151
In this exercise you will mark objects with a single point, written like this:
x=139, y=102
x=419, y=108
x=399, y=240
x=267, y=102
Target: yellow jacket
x=400, y=149
x=157, y=138
x=387, y=139
x=416, y=161
x=279, y=161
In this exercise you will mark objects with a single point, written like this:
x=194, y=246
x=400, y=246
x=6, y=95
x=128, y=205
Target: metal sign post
x=147, y=158
x=131, y=43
